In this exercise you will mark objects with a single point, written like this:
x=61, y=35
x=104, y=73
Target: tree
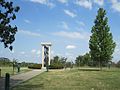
x=58, y=62
x=4, y=61
x=69, y=64
x=79, y=61
x=7, y=32
x=101, y=42
x=83, y=60
x=118, y=64
x=63, y=61
x=87, y=59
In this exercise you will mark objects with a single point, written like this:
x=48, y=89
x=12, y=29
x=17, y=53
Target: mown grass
x=74, y=79
x=10, y=70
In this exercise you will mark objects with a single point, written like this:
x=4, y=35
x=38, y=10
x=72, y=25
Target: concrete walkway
x=17, y=79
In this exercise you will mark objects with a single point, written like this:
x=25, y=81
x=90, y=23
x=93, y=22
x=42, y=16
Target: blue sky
x=65, y=23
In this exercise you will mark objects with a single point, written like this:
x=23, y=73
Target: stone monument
x=46, y=49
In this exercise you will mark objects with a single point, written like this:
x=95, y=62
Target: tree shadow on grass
x=19, y=84
x=28, y=87
x=2, y=81
x=89, y=69
x=110, y=70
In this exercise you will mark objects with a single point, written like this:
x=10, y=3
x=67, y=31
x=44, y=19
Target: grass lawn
x=73, y=80
x=10, y=70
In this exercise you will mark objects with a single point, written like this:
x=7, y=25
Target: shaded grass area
x=89, y=69
x=74, y=80
x=10, y=70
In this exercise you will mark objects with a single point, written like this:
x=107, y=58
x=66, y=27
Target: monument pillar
x=42, y=56
x=49, y=55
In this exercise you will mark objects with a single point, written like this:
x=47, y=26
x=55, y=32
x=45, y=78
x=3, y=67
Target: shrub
x=56, y=66
x=35, y=66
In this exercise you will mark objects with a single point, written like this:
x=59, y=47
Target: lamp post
x=13, y=66
x=109, y=64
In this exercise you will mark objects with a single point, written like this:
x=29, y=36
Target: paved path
x=17, y=79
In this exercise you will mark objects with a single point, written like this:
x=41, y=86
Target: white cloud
x=117, y=49
x=69, y=13
x=63, y=1
x=80, y=23
x=27, y=21
x=73, y=35
x=70, y=56
x=44, y=2
x=33, y=51
x=22, y=52
x=40, y=1
x=116, y=53
x=38, y=52
x=12, y=51
x=51, y=5
x=99, y=2
x=114, y=1
x=64, y=25
x=70, y=47
x=116, y=5
x=29, y=33
x=52, y=52
x=84, y=3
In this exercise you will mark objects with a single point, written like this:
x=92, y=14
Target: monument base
x=44, y=68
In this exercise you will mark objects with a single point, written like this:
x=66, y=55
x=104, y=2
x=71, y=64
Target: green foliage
x=79, y=61
x=25, y=64
x=9, y=69
x=5, y=62
x=56, y=66
x=83, y=60
x=35, y=66
x=69, y=64
x=7, y=32
x=118, y=64
x=57, y=63
x=101, y=42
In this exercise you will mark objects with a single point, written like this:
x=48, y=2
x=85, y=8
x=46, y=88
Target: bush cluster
x=35, y=66
x=57, y=62
x=56, y=66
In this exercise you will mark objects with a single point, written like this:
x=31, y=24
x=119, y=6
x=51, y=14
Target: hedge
x=35, y=66
x=56, y=66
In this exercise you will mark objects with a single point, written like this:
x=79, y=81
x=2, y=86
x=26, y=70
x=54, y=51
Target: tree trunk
x=100, y=65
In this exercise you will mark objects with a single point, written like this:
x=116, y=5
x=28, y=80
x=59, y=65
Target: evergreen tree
x=101, y=42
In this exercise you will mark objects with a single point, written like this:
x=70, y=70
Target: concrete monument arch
x=46, y=53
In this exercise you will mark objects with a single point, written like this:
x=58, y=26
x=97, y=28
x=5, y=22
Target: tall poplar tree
x=101, y=42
